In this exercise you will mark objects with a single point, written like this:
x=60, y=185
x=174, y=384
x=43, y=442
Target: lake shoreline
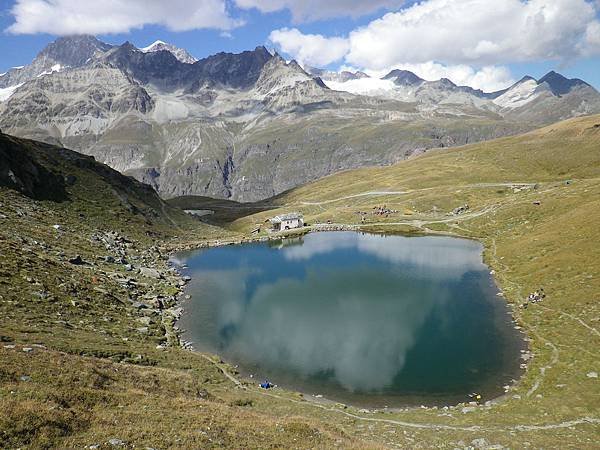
x=319, y=399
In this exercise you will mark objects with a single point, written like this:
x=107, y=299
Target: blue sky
x=461, y=39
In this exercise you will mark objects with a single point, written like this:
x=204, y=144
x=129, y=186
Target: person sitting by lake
x=266, y=385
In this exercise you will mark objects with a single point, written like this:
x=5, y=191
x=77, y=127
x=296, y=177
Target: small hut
x=287, y=221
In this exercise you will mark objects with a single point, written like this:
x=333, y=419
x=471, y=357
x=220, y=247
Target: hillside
x=89, y=350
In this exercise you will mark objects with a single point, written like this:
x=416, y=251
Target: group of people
x=534, y=297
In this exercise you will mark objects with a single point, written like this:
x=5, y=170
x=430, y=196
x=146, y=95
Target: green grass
x=98, y=378
x=91, y=375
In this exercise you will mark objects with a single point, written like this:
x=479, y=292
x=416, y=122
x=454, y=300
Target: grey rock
x=77, y=261
x=150, y=273
x=144, y=320
x=25, y=378
x=460, y=210
x=479, y=443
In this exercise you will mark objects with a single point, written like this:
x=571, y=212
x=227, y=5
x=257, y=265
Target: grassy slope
x=173, y=398
x=554, y=245
x=91, y=375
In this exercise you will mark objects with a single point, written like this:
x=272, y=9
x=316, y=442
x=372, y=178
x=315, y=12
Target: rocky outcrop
x=19, y=170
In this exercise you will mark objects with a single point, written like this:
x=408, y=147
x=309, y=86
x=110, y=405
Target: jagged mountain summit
x=65, y=52
x=404, y=78
x=250, y=125
x=181, y=54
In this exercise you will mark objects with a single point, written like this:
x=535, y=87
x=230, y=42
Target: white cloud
x=488, y=78
x=312, y=49
x=472, y=32
x=363, y=86
x=592, y=39
x=467, y=41
x=308, y=10
x=64, y=17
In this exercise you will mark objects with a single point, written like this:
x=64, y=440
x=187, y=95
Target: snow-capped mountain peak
x=152, y=47
x=182, y=55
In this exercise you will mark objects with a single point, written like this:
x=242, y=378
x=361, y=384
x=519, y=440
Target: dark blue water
x=363, y=319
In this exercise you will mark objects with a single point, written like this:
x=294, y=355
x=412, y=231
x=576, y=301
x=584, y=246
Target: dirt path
x=417, y=425
x=224, y=371
x=363, y=194
x=411, y=191
x=576, y=319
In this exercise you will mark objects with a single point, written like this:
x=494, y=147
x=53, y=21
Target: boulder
x=77, y=261
x=150, y=273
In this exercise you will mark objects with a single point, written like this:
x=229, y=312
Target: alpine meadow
x=294, y=225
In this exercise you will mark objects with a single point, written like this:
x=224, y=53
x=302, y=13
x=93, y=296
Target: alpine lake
x=366, y=320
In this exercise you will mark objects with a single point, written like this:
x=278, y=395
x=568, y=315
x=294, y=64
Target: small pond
x=363, y=319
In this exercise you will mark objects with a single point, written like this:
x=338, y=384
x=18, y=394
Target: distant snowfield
x=519, y=95
x=6, y=93
x=54, y=68
x=363, y=86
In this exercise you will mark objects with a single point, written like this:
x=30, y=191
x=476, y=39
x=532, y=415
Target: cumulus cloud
x=309, y=10
x=488, y=79
x=64, y=17
x=469, y=31
x=592, y=39
x=312, y=49
x=463, y=40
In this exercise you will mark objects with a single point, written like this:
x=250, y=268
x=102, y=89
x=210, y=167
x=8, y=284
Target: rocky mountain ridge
x=251, y=125
x=181, y=54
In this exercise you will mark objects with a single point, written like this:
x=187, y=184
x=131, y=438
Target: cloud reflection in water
x=308, y=310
